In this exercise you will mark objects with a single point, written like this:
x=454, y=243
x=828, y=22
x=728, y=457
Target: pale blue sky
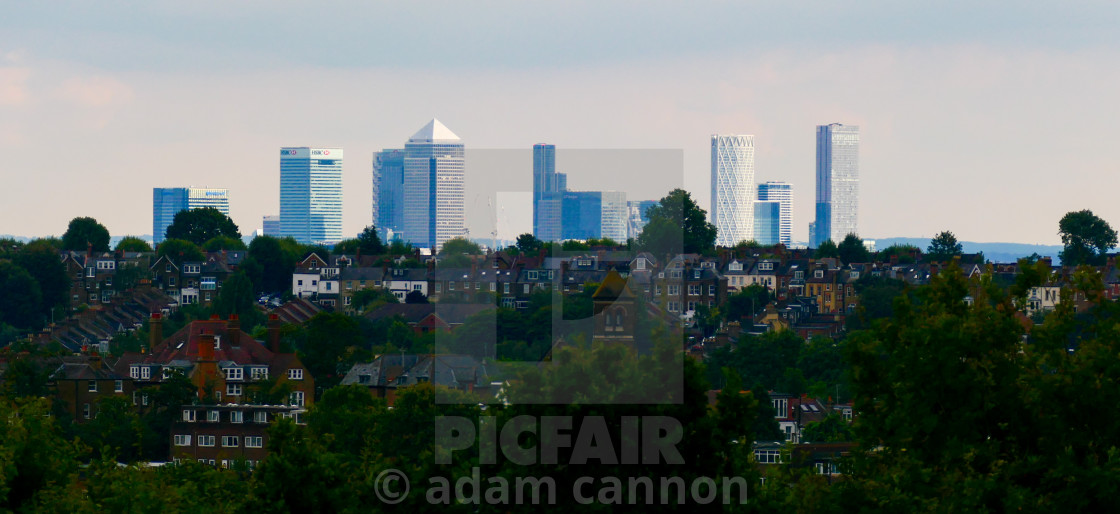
x=991, y=119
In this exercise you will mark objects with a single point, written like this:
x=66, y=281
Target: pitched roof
x=612, y=288
x=433, y=131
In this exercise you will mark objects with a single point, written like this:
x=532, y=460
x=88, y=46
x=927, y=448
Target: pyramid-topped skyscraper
x=422, y=187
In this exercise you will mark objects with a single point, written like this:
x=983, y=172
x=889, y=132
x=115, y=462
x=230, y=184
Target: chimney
x=274, y=333
x=233, y=331
x=155, y=330
x=206, y=348
x=215, y=317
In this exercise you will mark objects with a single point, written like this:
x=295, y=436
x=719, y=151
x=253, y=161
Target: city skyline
x=109, y=101
x=168, y=201
x=311, y=194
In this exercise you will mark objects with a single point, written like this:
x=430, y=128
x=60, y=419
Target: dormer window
x=818, y=274
x=765, y=266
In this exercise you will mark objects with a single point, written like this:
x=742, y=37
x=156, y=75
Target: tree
x=179, y=251
x=943, y=247
x=369, y=243
x=903, y=252
x=84, y=233
x=851, y=250
x=275, y=261
x=133, y=244
x=415, y=297
x=223, y=242
x=237, y=297
x=19, y=305
x=40, y=259
x=456, y=252
x=677, y=224
x=201, y=225
x=528, y=243
x=372, y=297
x=827, y=250
x=1086, y=238
x=749, y=301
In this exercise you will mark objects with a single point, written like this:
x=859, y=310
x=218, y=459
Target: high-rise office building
x=548, y=192
x=638, y=216
x=433, y=189
x=767, y=223
x=271, y=225
x=837, y=212
x=594, y=215
x=168, y=201
x=781, y=192
x=733, y=188
x=388, y=193
x=311, y=194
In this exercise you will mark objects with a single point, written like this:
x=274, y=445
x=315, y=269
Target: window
x=493, y=287
x=254, y=441
x=260, y=417
x=89, y=272
x=233, y=389
x=781, y=405
x=192, y=268
x=694, y=289
x=171, y=281
x=674, y=290
x=532, y=275
x=235, y=373
x=295, y=374
x=206, y=440
x=346, y=301
x=417, y=287
x=505, y=288
x=439, y=287
x=260, y=373
x=692, y=306
x=85, y=411
x=765, y=266
x=236, y=416
x=297, y=398
x=450, y=285
x=299, y=282
x=145, y=373
x=183, y=440
x=213, y=416
x=674, y=306
x=818, y=274
x=229, y=441
x=93, y=386
x=329, y=285
x=526, y=289
x=118, y=386
x=768, y=456
x=711, y=290
x=189, y=415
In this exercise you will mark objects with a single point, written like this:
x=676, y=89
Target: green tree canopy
x=528, y=243
x=84, y=233
x=276, y=262
x=826, y=250
x=179, y=251
x=201, y=225
x=223, y=242
x=20, y=304
x=1086, y=238
x=133, y=244
x=904, y=252
x=677, y=224
x=456, y=252
x=943, y=247
x=40, y=259
x=851, y=250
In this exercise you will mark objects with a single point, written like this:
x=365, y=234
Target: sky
x=989, y=119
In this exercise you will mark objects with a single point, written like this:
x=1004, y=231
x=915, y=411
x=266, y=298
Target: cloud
x=13, y=86
x=95, y=91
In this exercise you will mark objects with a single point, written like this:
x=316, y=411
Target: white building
x=733, y=188
x=781, y=192
x=311, y=194
x=433, y=190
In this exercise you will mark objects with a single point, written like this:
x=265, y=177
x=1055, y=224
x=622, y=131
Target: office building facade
x=433, y=189
x=638, y=216
x=311, y=194
x=733, y=186
x=271, y=225
x=169, y=201
x=388, y=193
x=548, y=192
x=595, y=215
x=767, y=223
x=837, y=206
x=781, y=192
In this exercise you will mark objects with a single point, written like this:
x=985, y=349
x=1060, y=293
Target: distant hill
x=995, y=252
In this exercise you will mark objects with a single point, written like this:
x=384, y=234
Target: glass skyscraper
x=548, y=192
x=168, y=201
x=595, y=215
x=311, y=194
x=767, y=223
x=433, y=190
x=837, y=183
x=638, y=216
x=733, y=188
x=781, y=192
x=388, y=193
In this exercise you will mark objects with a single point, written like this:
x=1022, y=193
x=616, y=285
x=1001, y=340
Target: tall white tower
x=733, y=190
x=433, y=188
x=837, y=183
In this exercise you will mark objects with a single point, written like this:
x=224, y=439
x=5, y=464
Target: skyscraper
x=781, y=192
x=271, y=225
x=548, y=192
x=638, y=216
x=168, y=201
x=433, y=187
x=837, y=183
x=767, y=223
x=733, y=188
x=311, y=194
x=595, y=215
x=388, y=193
